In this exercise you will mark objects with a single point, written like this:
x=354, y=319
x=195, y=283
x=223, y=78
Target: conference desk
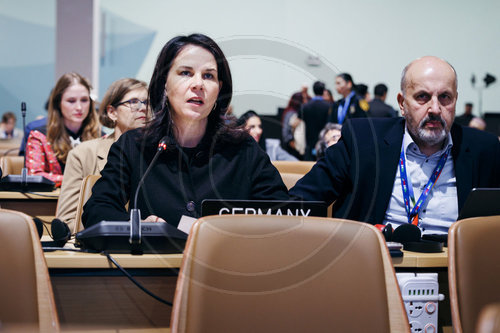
x=91, y=293
x=42, y=204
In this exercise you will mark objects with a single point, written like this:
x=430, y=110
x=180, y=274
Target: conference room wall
x=268, y=44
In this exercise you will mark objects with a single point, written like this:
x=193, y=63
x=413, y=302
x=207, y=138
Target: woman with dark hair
x=71, y=119
x=252, y=123
x=293, y=128
x=349, y=106
x=123, y=107
x=205, y=158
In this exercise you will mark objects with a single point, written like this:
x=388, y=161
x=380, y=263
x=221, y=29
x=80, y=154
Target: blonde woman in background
x=71, y=120
x=123, y=107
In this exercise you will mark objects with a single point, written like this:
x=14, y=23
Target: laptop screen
x=263, y=207
x=481, y=202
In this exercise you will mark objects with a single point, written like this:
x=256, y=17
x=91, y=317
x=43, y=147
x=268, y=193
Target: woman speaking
x=189, y=92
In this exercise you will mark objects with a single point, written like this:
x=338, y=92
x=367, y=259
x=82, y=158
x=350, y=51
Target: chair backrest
x=290, y=179
x=286, y=274
x=26, y=301
x=489, y=319
x=300, y=167
x=11, y=165
x=85, y=193
x=473, y=269
x=9, y=147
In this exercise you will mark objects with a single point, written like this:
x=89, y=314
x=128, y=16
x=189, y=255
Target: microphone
x=135, y=213
x=24, y=171
x=23, y=182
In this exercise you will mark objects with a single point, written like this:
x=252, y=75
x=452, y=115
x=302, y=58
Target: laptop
x=263, y=207
x=481, y=202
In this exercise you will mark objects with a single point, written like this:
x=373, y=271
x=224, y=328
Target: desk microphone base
x=113, y=237
x=32, y=184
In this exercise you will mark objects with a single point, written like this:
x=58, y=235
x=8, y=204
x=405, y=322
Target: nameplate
x=263, y=207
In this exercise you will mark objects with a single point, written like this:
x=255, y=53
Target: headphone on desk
x=411, y=237
x=60, y=232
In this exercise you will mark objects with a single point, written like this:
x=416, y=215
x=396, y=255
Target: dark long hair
x=348, y=78
x=242, y=122
x=162, y=124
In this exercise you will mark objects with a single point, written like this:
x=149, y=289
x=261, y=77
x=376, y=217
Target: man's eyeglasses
x=134, y=104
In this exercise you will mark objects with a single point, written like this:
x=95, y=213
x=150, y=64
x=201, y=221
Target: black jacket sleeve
x=329, y=177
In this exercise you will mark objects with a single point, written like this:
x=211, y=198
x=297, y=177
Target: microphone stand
x=24, y=170
x=135, y=213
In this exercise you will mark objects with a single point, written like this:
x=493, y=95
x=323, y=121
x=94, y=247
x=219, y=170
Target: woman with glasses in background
x=123, y=107
x=71, y=119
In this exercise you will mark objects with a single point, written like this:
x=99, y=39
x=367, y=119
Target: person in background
x=478, y=123
x=305, y=94
x=378, y=107
x=379, y=169
x=328, y=96
x=328, y=136
x=315, y=116
x=71, y=119
x=349, y=106
x=292, y=127
x=8, y=128
x=252, y=123
x=362, y=92
x=201, y=157
x=123, y=107
x=465, y=118
x=39, y=121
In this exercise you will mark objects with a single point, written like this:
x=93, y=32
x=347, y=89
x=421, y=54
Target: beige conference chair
x=85, y=193
x=11, y=165
x=473, y=269
x=27, y=302
x=300, y=167
x=286, y=274
x=489, y=319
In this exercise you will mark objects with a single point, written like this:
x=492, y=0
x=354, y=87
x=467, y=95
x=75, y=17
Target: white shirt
x=441, y=207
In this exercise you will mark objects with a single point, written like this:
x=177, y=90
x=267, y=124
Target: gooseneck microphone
x=23, y=182
x=24, y=171
x=135, y=213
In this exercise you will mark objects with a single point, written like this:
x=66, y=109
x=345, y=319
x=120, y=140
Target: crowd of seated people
x=208, y=153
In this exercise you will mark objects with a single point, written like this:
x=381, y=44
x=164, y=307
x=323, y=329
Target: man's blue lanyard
x=342, y=110
x=408, y=189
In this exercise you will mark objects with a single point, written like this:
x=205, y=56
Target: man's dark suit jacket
x=359, y=171
x=378, y=108
x=315, y=115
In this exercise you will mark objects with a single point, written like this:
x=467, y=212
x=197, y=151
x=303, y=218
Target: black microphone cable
x=110, y=258
x=39, y=194
x=137, y=283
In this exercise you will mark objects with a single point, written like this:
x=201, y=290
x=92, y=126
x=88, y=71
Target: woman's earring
x=215, y=105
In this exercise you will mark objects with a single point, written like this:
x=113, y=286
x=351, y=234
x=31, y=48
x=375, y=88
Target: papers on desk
x=395, y=249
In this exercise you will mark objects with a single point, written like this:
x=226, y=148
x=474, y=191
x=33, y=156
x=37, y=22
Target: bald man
x=417, y=169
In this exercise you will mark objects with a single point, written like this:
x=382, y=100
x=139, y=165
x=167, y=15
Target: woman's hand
x=154, y=218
